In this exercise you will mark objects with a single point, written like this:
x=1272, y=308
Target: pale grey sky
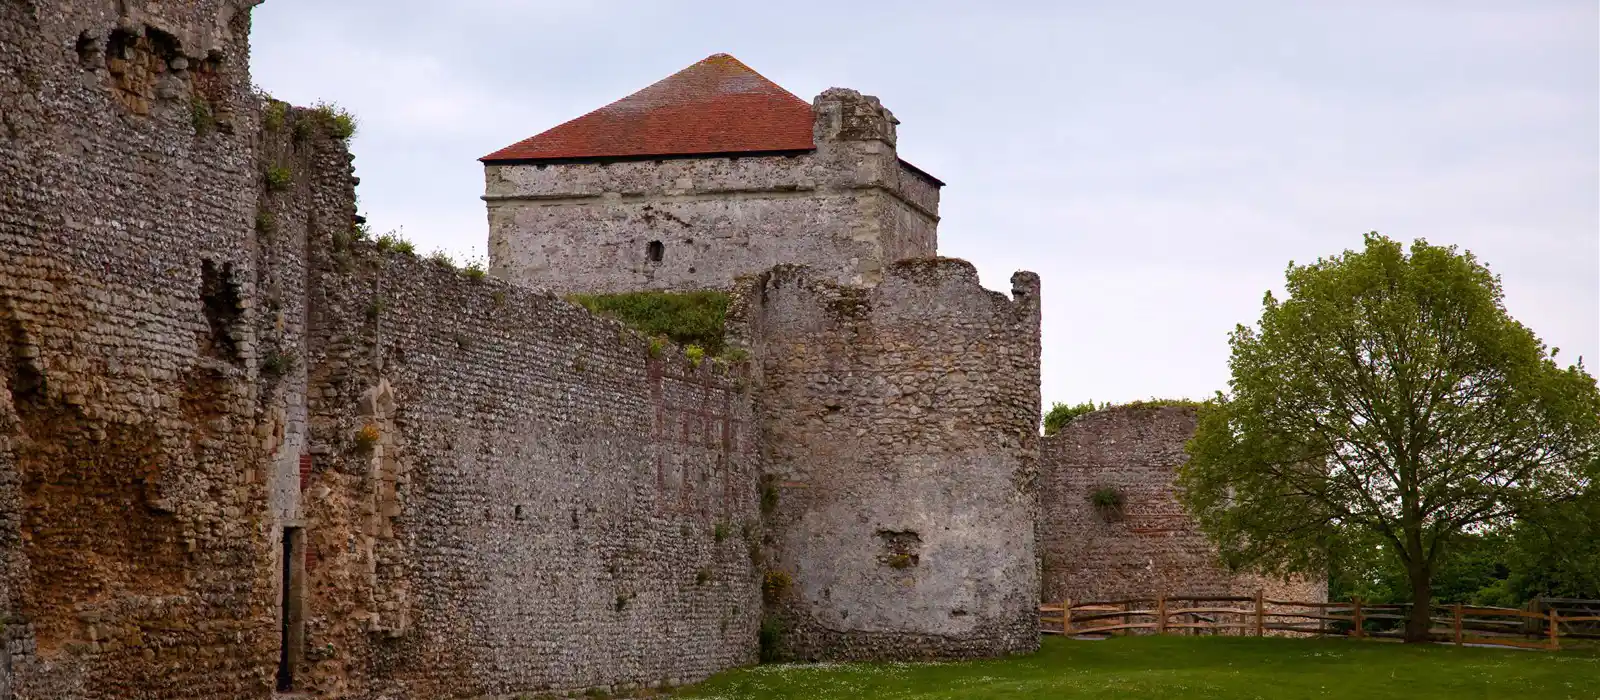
x=1157, y=163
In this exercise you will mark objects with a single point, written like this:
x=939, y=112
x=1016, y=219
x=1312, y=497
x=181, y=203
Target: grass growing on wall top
x=1186, y=667
x=685, y=318
x=1060, y=414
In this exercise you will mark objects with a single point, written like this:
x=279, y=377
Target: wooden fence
x=1539, y=627
x=1584, y=615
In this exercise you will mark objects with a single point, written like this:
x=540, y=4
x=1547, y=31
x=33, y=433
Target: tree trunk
x=1418, y=622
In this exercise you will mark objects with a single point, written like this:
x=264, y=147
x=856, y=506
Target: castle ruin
x=244, y=451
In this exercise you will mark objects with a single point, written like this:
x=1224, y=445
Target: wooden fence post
x=1066, y=617
x=1161, y=612
x=1356, y=602
x=1555, y=633
x=1260, y=617
x=1458, y=624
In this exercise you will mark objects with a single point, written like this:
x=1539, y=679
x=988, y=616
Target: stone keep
x=709, y=174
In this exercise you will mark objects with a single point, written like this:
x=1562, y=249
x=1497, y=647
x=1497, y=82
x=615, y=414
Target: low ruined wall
x=899, y=496
x=1152, y=545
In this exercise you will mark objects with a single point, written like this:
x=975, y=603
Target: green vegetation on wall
x=685, y=318
x=1060, y=414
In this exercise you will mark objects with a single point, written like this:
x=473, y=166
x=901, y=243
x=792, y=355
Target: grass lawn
x=1190, y=667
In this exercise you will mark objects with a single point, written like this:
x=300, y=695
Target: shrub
x=442, y=259
x=334, y=120
x=686, y=318
x=658, y=345
x=1061, y=414
x=279, y=177
x=474, y=271
x=272, y=117
x=367, y=439
x=276, y=364
x=702, y=577
x=736, y=355
x=769, y=495
x=200, y=115
x=266, y=223
x=393, y=241
x=774, y=584
x=1108, y=501
x=695, y=354
x=1158, y=403
x=771, y=638
x=720, y=532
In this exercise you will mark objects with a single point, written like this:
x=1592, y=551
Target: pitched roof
x=718, y=105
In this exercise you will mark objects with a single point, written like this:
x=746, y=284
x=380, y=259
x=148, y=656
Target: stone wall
x=488, y=491
x=1152, y=545
x=516, y=496
x=847, y=209
x=135, y=556
x=900, y=422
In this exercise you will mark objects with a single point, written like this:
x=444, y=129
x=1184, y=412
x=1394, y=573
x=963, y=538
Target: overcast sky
x=1159, y=164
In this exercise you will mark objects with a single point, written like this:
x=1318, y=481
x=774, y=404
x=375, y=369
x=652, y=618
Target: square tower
x=709, y=174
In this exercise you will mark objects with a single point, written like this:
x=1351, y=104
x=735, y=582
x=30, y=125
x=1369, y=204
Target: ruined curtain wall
x=135, y=548
x=1152, y=545
x=494, y=492
x=508, y=494
x=900, y=488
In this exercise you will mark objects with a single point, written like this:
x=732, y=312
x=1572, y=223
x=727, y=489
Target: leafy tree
x=1389, y=399
x=1554, y=551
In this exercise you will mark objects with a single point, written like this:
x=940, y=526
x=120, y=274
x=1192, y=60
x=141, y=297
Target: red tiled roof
x=718, y=105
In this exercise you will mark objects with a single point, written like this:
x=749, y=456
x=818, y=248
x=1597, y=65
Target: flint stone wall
x=191, y=352
x=1153, y=546
x=135, y=538
x=899, y=422
x=539, y=503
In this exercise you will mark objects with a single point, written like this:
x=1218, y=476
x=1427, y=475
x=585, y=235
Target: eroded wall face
x=1149, y=545
x=134, y=541
x=900, y=493
x=698, y=223
x=517, y=496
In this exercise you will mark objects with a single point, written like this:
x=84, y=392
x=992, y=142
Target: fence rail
x=1541, y=626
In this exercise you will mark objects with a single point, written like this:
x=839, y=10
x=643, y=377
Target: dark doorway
x=655, y=250
x=290, y=633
